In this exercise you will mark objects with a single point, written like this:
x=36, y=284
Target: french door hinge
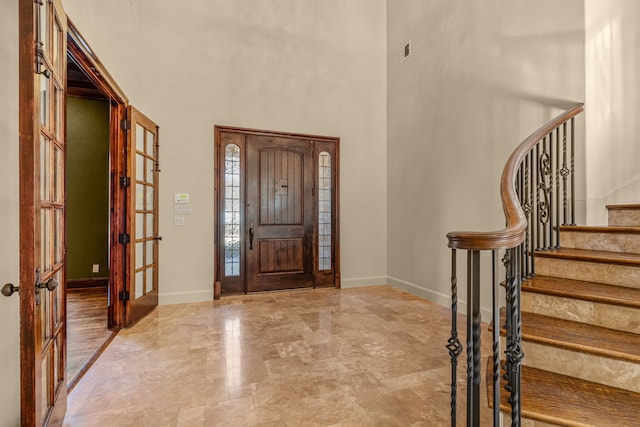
x=123, y=296
x=125, y=124
x=125, y=181
x=123, y=238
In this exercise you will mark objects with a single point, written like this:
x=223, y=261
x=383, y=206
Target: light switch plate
x=178, y=221
x=182, y=209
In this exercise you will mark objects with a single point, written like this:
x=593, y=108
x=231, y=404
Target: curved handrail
x=514, y=232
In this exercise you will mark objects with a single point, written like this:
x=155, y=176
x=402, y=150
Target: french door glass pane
x=149, y=231
x=44, y=314
x=57, y=112
x=139, y=255
x=149, y=280
x=150, y=171
x=149, y=252
x=149, y=198
x=139, y=138
x=150, y=144
x=139, y=284
x=140, y=167
x=139, y=226
x=44, y=101
x=140, y=197
x=44, y=168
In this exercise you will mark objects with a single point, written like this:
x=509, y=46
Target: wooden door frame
x=82, y=54
x=218, y=178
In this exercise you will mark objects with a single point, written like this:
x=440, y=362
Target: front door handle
x=251, y=238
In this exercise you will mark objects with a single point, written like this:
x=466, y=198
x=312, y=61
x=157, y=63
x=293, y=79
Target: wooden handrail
x=514, y=232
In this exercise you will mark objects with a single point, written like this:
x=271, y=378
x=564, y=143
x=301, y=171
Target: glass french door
x=143, y=248
x=43, y=35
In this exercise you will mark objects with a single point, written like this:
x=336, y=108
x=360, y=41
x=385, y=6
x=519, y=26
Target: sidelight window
x=232, y=210
x=324, y=211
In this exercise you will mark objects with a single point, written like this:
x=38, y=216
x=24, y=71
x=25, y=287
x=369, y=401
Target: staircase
x=581, y=328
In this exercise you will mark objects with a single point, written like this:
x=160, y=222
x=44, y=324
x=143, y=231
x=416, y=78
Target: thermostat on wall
x=181, y=197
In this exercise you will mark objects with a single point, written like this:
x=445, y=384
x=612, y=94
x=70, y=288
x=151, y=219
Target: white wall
x=313, y=67
x=9, y=216
x=483, y=75
x=612, y=55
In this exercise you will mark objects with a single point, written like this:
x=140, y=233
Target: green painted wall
x=87, y=208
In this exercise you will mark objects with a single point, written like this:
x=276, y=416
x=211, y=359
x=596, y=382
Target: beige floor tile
x=370, y=356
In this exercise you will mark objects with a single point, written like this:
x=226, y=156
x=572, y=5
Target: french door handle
x=157, y=238
x=8, y=289
x=251, y=238
x=49, y=285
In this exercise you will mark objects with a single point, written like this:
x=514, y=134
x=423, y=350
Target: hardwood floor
x=87, y=333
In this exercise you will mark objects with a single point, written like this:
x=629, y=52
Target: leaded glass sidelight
x=324, y=211
x=232, y=210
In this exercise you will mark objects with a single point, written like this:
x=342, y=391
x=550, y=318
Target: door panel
x=42, y=165
x=143, y=248
x=279, y=211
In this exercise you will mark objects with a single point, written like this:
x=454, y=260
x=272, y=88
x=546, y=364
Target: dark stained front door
x=279, y=213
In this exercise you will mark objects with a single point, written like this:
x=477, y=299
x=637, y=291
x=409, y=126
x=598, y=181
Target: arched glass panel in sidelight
x=324, y=211
x=232, y=210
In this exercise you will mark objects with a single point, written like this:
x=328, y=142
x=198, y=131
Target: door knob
x=251, y=238
x=8, y=289
x=49, y=285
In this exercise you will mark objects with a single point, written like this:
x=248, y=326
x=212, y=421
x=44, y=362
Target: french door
x=277, y=210
x=143, y=165
x=42, y=68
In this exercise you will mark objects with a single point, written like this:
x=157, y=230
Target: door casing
x=320, y=143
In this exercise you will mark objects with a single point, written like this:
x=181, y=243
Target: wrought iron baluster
x=565, y=173
x=513, y=352
x=549, y=191
x=496, y=339
x=573, y=182
x=453, y=345
x=532, y=213
x=557, y=187
x=473, y=338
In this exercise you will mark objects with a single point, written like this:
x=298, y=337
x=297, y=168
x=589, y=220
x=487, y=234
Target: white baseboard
x=359, y=282
x=168, y=298
x=433, y=296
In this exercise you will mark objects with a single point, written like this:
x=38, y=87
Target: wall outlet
x=96, y=268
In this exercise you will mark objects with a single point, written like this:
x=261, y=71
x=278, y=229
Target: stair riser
x=589, y=367
x=609, y=316
x=624, y=218
x=612, y=242
x=620, y=275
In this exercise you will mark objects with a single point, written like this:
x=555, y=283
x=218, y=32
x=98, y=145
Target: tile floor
x=371, y=356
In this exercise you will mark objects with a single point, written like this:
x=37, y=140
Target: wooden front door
x=142, y=240
x=279, y=213
x=42, y=64
x=276, y=204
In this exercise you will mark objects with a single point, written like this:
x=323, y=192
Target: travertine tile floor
x=371, y=356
